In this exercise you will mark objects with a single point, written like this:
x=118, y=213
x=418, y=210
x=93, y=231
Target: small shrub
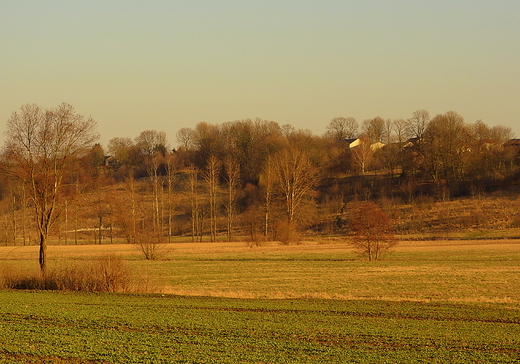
x=107, y=274
x=287, y=233
x=153, y=247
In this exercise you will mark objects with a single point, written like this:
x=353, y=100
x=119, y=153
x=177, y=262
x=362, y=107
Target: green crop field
x=80, y=327
x=432, y=302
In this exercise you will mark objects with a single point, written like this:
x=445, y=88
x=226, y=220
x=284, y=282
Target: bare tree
x=362, y=154
x=418, y=123
x=211, y=176
x=389, y=131
x=120, y=149
x=151, y=142
x=342, y=128
x=155, y=179
x=232, y=178
x=501, y=134
x=375, y=129
x=267, y=182
x=40, y=149
x=445, y=148
x=186, y=137
x=196, y=211
x=372, y=231
x=172, y=169
x=297, y=180
x=402, y=131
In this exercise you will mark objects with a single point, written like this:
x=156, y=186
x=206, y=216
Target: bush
x=372, y=232
x=153, y=247
x=12, y=278
x=287, y=233
x=107, y=274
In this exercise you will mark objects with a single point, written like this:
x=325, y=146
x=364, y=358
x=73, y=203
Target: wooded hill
x=255, y=180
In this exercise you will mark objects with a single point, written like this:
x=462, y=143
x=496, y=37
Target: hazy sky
x=138, y=65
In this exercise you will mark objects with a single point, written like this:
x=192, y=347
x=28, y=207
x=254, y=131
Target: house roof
x=513, y=142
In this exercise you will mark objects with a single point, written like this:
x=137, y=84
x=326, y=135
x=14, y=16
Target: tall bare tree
x=343, y=128
x=232, y=178
x=363, y=153
x=418, y=123
x=185, y=137
x=375, y=129
x=267, y=182
x=172, y=168
x=211, y=176
x=402, y=131
x=120, y=148
x=40, y=151
x=196, y=213
x=151, y=142
x=297, y=180
x=155, y=179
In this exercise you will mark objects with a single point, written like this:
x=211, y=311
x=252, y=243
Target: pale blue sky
x=138, y=65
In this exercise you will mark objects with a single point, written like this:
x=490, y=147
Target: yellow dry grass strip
x=461, y=271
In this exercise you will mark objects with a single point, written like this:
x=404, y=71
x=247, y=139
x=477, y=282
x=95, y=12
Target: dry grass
x=106, y=274
x=461, y=271
x=496, y=215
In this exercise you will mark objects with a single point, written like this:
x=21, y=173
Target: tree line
x=245, y=179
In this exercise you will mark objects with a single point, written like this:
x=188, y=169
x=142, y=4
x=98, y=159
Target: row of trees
x=250, y=177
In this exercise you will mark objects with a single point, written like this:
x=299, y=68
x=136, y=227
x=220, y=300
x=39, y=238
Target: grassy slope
x=76, y=327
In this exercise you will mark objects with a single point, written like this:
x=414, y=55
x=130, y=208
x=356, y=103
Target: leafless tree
x=120, y=149
x=185, y=137
x=196, y=211
x=172, y=168
x=232, y=178
x=152, y=141
x=418, y=123
x=267, y=179
x=362, y=154
x=402, y=131
x=342, y=128
x=372, y=230
x=155, y=179
x=211, y=176
x=296, y=180
x=375, y=129
x=40, y=150
x=501, y=134
x=389, y=131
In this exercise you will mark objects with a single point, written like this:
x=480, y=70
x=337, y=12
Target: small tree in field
x=372, y=231
x=41, y=149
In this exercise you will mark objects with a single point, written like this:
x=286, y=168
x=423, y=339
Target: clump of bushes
x=106, y=274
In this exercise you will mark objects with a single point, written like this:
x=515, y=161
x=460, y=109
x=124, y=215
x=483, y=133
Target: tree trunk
x=43, y=253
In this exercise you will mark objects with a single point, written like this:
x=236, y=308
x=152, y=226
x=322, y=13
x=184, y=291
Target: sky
x=164, y=65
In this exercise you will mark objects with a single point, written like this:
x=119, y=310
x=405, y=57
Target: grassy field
x=78, y=327
x=445, y=271
x=440, y=301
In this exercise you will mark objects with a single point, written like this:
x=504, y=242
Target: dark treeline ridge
x=256, y=180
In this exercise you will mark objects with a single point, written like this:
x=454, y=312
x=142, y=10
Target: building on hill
x=352, y=143
x=355, y=142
